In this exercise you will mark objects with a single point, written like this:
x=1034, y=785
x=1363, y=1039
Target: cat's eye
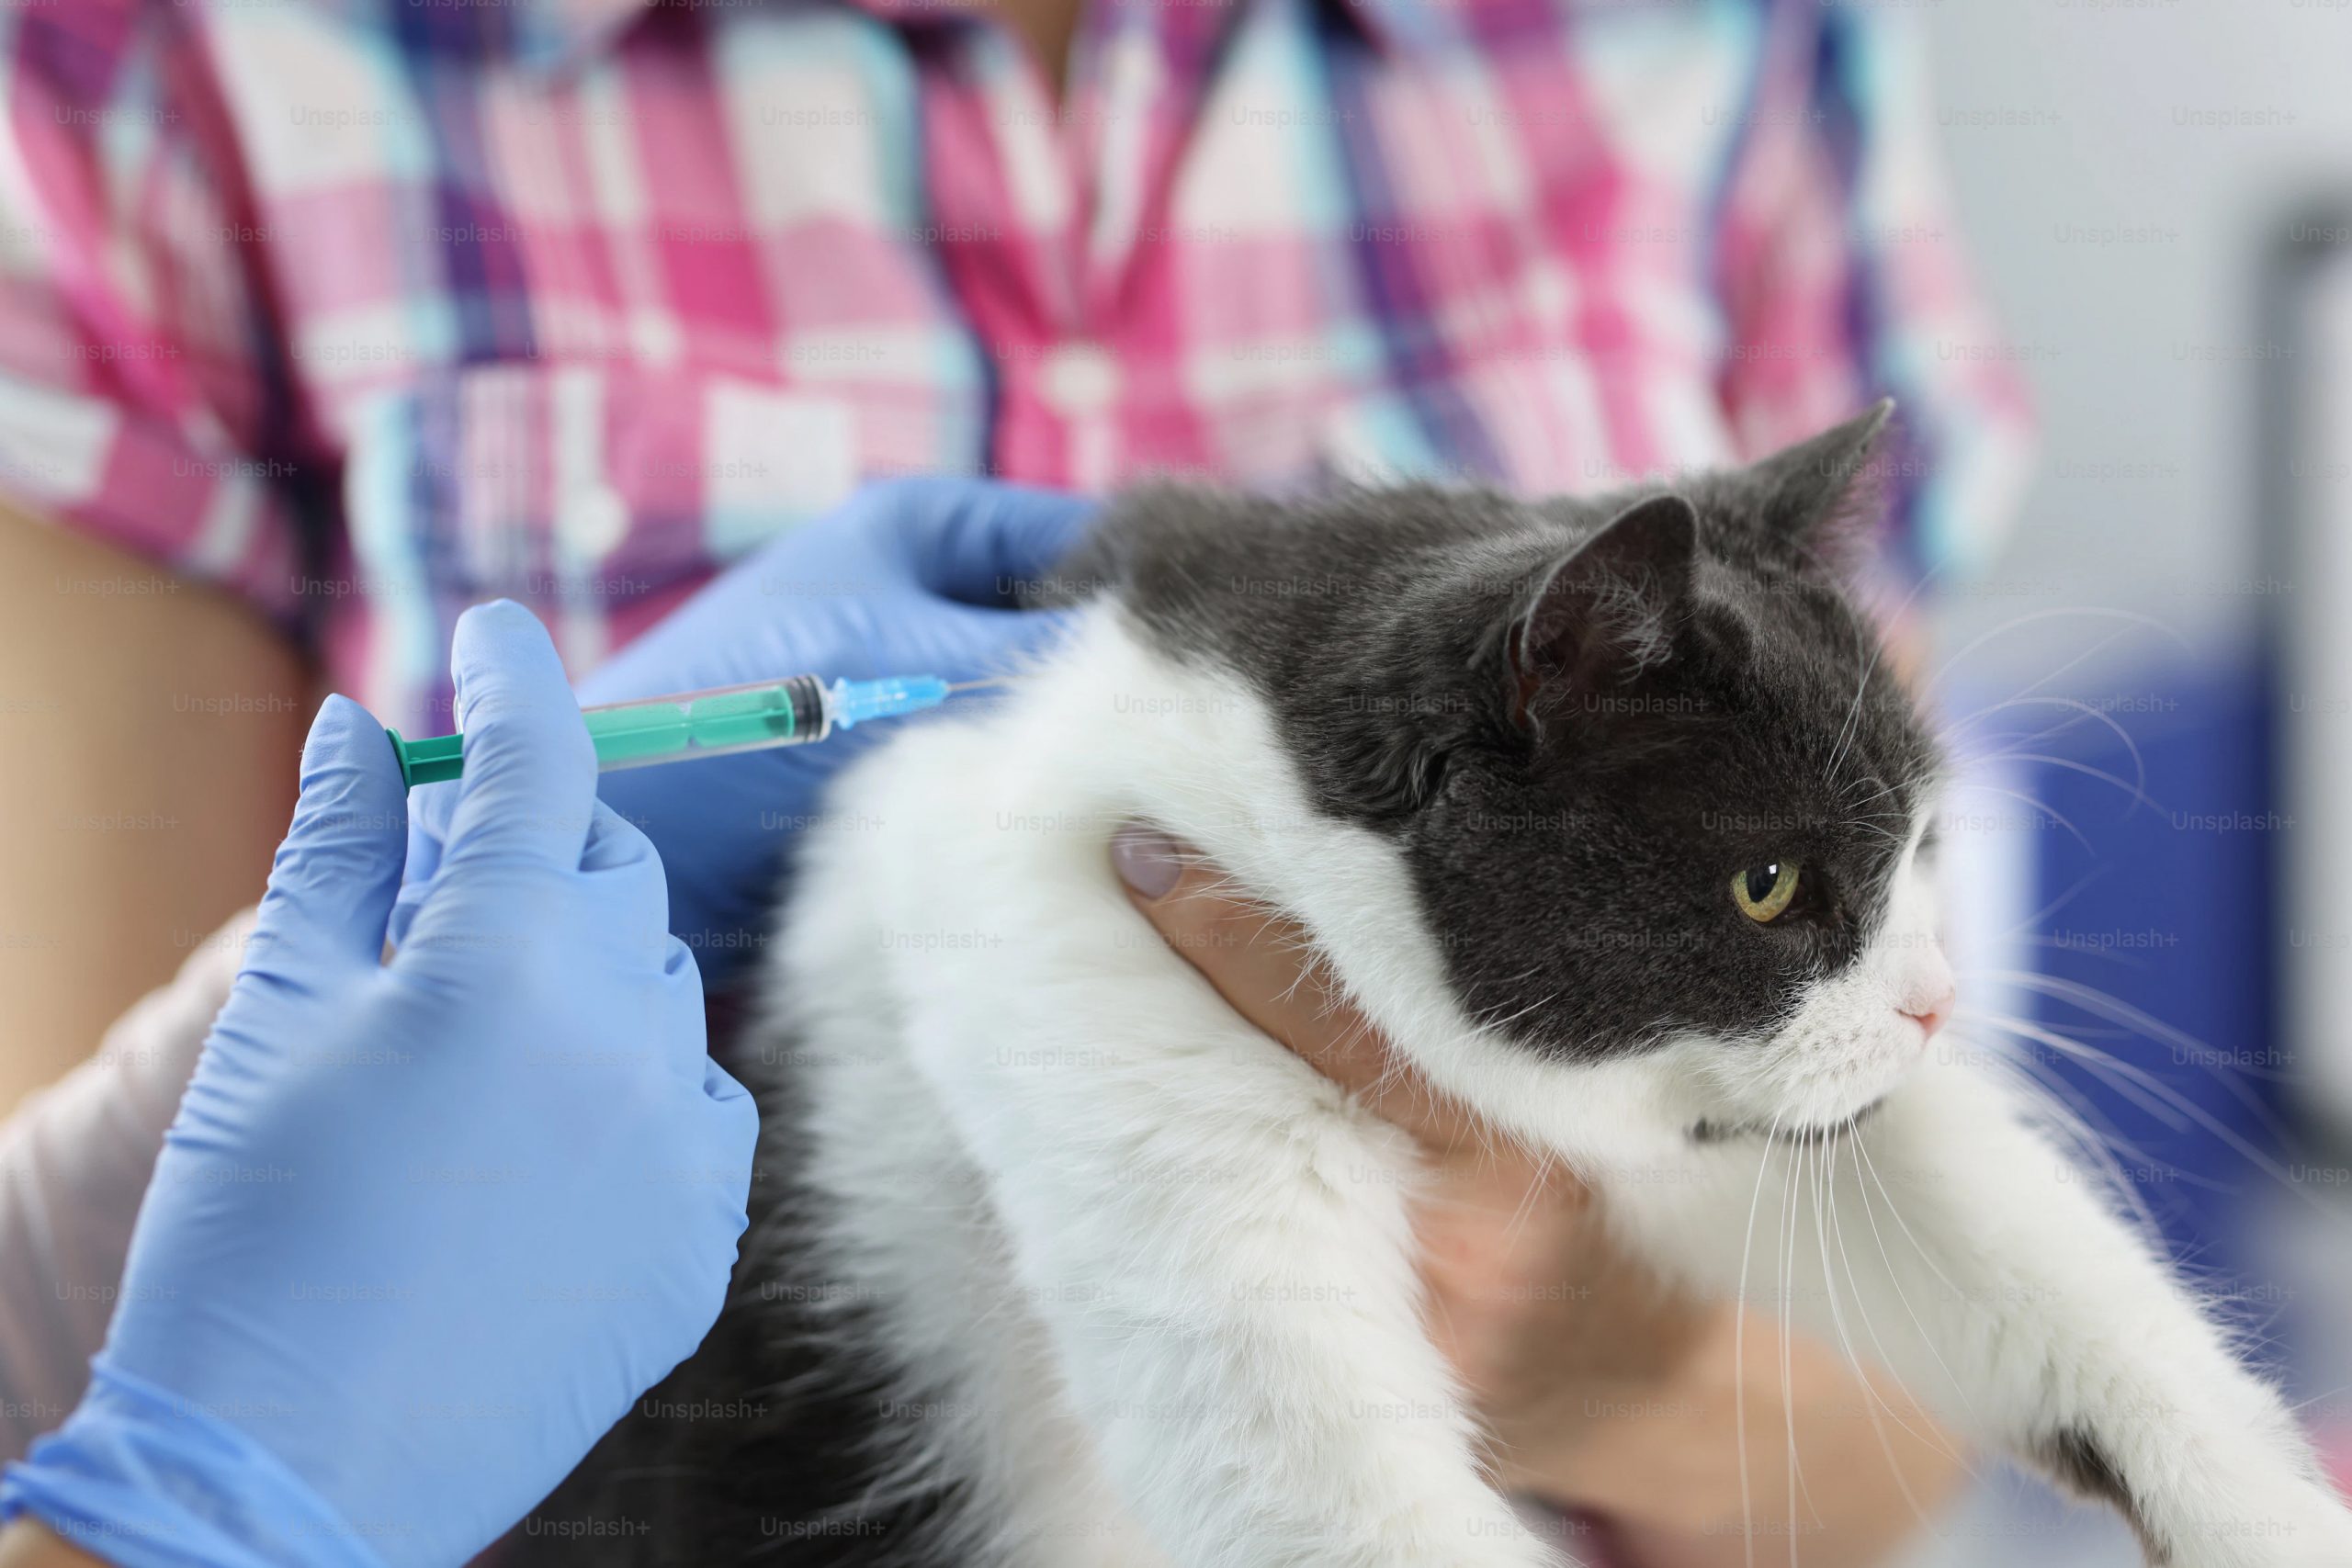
x=1763, y=891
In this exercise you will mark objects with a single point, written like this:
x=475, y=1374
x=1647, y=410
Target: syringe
x=713, y=723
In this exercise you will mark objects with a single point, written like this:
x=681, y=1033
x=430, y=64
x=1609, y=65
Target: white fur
x=1169, y=1265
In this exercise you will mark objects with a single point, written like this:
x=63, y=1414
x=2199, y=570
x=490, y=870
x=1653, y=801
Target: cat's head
x=1697, y=825
x=1658, y=792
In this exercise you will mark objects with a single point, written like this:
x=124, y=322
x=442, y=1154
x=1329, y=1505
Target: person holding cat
x=390, y=308
x=915, y=575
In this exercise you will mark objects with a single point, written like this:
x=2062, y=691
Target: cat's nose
x=1931, y=1012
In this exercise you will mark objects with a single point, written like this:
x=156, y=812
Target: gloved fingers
x=529, y=783
x=406, y=906
x=630, y=894
x=677, y=1029
x=614, y=841
x=734, y=1133
x=982, y=544
x=430, y=807
x=331, y=886
x=641, y=895
x=722, y=1085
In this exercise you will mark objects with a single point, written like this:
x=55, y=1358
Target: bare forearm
x=154, y=726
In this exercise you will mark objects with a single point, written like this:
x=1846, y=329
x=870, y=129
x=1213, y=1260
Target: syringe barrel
x=713, y=723
x=707, y=724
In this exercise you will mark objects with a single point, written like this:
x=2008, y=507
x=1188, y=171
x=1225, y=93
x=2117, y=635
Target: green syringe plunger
x=713, y=723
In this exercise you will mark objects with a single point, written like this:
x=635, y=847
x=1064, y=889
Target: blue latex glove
x=909, y=577
x=422, y=1231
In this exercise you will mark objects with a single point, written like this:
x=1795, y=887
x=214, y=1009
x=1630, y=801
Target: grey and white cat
x=1608, y=814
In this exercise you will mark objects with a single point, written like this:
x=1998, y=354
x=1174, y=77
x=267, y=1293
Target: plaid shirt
x=369, y=308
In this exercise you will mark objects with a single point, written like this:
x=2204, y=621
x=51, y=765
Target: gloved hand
x=909, y=577
x=422, y=1231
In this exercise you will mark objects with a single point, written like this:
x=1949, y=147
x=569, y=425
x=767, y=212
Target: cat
x=1610, y=812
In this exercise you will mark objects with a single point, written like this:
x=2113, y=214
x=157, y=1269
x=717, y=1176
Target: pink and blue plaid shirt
x=370, y=308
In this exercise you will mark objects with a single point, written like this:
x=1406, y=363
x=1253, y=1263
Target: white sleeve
x=74, y=1163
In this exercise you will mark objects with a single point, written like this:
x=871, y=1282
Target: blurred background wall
x=2121, y=243
x=2151, y=192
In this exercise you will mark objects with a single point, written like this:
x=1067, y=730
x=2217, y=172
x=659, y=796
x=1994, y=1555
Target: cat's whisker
x=1783, y=1264
x=1991, y=750
x=1817, y=1159
x=1536, y=1006
x=2101, y=646
x=2133, y=1023
x=1847, y=730
x=2133, y=1083
x=2034, y=801
x=1329, y=1004
x=1866, y=636
x=2082, y=710
x=2325, y=1396
x=1887, y=788
x=2018, y=623
x=2091, y=1000
x=2063, y=1105
x=2181, y=1105
x=2138, y=795
x=1931, y=1437
x=1739, y=1348
x=1956, y=734
x=2060, y=944
x=1534, y=1190
x=1780, y=1265
x=1894, y=1278
x=1225, y=884
x=2034, y=920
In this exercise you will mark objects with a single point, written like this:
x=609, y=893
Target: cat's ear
x=1820, y=495
x=1610, y=610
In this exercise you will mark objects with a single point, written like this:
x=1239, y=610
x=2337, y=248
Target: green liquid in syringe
x=662, y=730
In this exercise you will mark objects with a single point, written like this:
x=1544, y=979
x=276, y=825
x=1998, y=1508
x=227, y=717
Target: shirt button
x=1080, y=379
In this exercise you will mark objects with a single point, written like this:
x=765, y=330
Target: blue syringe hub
x=851, y=703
